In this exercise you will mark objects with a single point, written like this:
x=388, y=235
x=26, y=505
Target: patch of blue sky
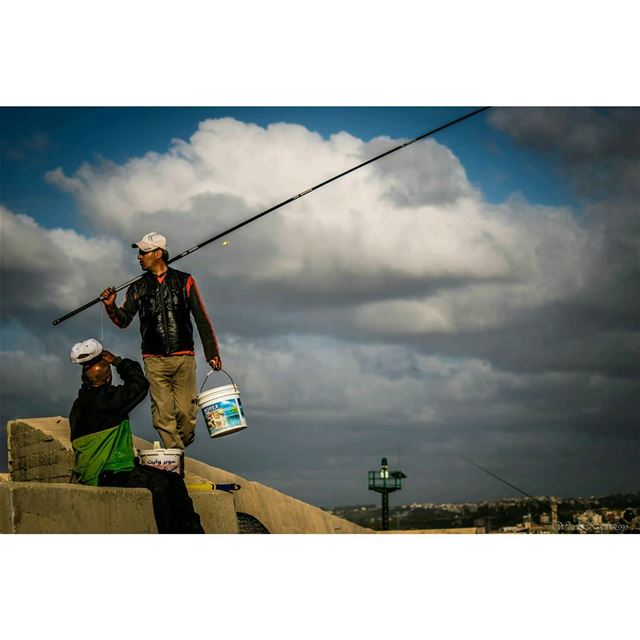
x=36, y=140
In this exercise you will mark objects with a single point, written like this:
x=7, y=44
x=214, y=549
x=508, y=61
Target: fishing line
x=281, y=204
x=101, y=325
x=513, y=486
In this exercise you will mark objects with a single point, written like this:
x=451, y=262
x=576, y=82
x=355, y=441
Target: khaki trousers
x=174, y=406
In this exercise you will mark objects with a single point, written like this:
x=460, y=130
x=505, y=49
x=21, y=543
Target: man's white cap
x=151, y=241
x=86, y=351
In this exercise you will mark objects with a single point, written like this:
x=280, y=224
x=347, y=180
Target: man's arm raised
x=120, y=316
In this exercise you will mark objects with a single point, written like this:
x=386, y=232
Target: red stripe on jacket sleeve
x=191, y=283
x=206, y=315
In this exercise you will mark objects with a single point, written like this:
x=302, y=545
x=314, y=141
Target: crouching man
x=102, y=441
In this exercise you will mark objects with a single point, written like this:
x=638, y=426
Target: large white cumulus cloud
x=224, y=157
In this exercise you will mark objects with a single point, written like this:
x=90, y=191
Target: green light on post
x=385, y=482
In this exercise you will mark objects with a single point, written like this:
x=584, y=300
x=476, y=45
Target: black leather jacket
x=165, y=305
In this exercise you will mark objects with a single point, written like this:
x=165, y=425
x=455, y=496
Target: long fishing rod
x=277, y=206
x=513, y=486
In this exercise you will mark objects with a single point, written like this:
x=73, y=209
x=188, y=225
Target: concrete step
x=40, y=452
x=55, y=507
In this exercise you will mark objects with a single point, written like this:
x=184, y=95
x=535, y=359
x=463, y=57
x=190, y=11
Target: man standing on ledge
x=165, y=298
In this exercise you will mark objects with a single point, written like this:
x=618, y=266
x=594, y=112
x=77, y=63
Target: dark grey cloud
x=577, y=134
x=598, y=151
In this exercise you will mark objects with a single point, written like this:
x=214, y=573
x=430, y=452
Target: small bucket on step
x=163, y=459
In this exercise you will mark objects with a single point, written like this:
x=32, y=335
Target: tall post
x=384, y=481
x=385, y=511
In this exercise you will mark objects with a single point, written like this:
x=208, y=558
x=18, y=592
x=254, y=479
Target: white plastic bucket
x=163, y=459
x=222, y=408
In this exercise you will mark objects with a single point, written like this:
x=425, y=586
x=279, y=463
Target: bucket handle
x=214, y=371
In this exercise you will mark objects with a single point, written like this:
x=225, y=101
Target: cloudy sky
x=475, y=294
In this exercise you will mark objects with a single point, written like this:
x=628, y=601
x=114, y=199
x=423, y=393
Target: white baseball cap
x=86, y=351
x=151, y=241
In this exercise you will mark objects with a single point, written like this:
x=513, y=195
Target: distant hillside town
x=617, y=513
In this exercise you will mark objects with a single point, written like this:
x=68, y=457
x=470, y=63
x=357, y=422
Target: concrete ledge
x=39, y=507
x=217, y=511
x=40, y=451
x=5, y=508
x=36, y=452
x=279, y=512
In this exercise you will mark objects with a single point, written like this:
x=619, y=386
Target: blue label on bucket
x=224, y=415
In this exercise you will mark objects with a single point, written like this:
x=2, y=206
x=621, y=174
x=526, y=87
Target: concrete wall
x=47, y=507
x=6, y=522
x=216, y=510
x=39, y=507
x=279, y=512
x=40, y=451
x=37, y=452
